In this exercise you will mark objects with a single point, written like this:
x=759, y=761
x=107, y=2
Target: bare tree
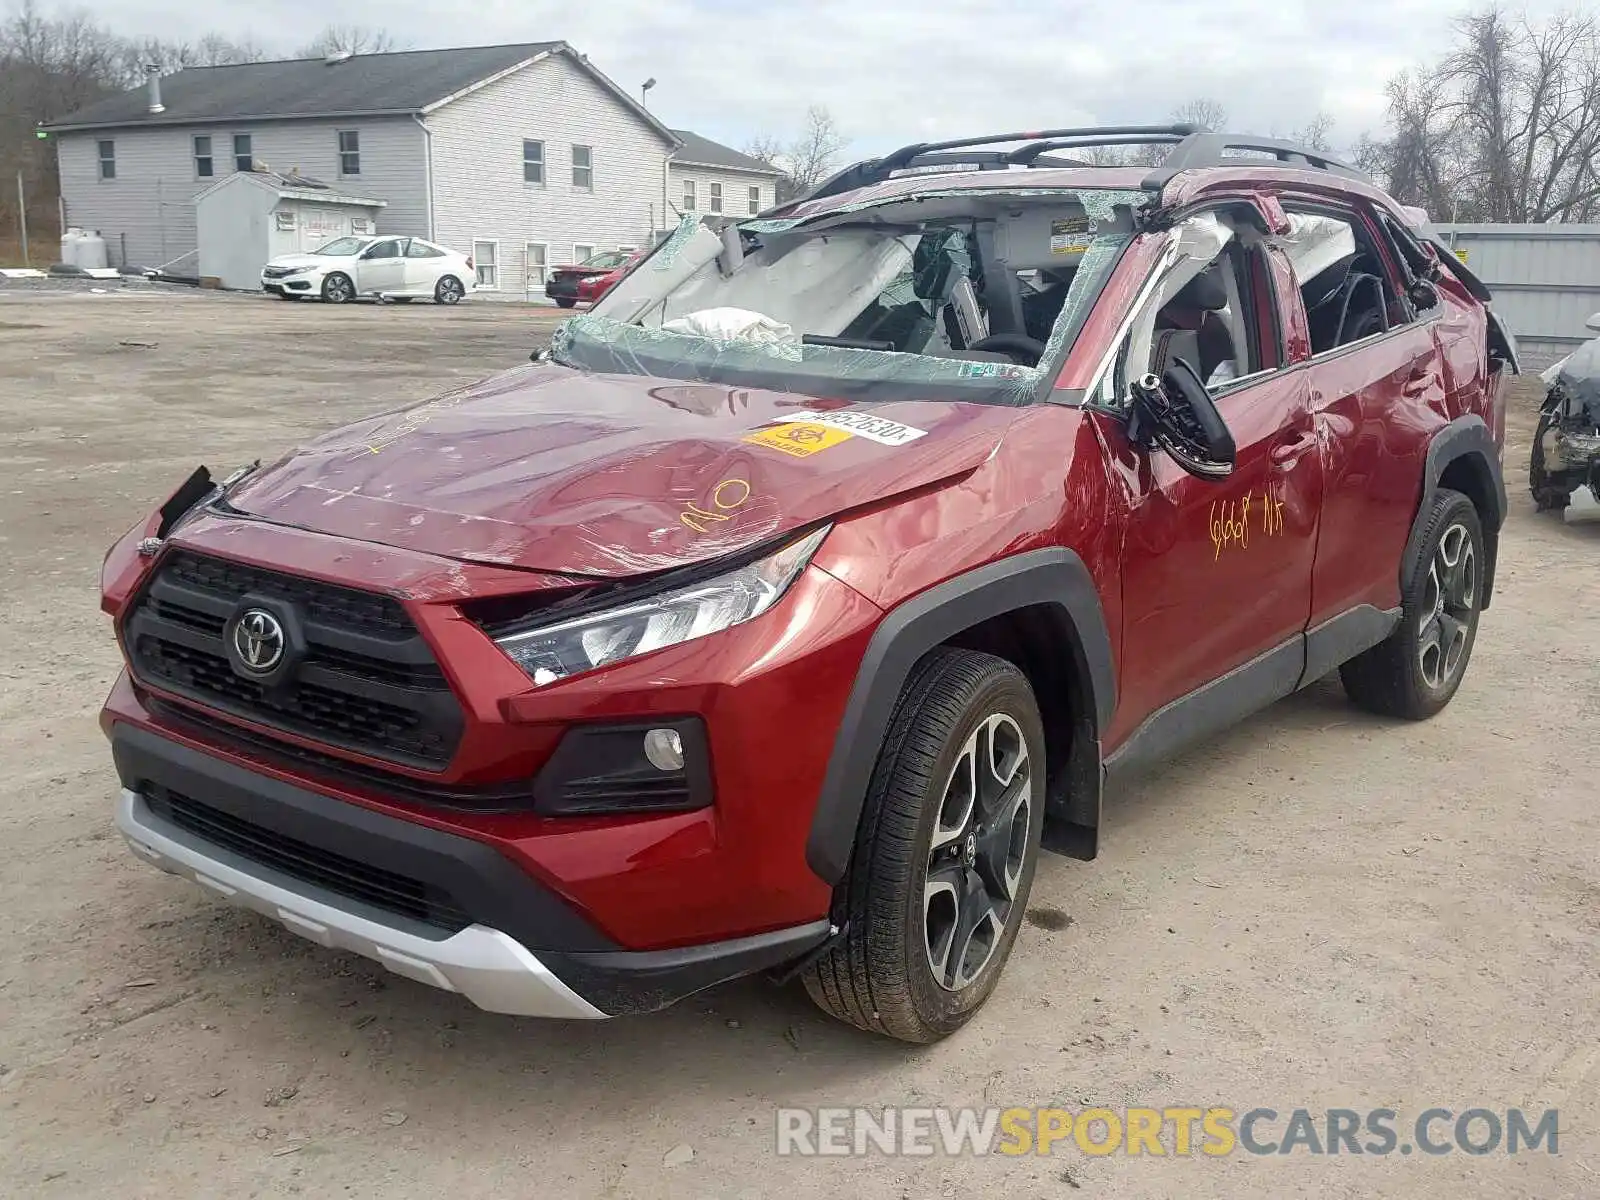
x=1315, y=134
x=1203, y=113
x=1506, y=127
x=805, y=161
x=349, y=39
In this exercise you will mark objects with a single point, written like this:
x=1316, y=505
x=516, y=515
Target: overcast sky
x=893, y=71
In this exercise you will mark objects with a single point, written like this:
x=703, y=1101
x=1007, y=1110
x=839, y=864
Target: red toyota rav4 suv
x=776, y=618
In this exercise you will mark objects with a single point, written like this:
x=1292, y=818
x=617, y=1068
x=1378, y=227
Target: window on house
x=349, y=152
x=244, y=158
x=532, y=161
x=108, y=159
x=204, y=167
x=486, y=264
x=583, y=167
x=536, y=259
x=755, y=201
x=688, y=195
x=582, y=253
x=716, y=197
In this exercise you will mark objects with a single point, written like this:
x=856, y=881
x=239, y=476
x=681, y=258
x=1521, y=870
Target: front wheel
x=337, y=289
x=945, y=853
x=1547, y=496
x=448, y=290
x=1417, y=669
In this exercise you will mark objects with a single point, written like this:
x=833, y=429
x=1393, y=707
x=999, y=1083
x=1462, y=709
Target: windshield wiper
x=842, y=343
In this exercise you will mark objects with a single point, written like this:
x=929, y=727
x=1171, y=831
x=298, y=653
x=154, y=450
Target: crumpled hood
x=551, y=469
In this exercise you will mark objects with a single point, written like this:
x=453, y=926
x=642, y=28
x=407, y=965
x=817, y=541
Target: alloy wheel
x=977, y=853
x=339, y=289
x=1449, y=603
x=449, y=290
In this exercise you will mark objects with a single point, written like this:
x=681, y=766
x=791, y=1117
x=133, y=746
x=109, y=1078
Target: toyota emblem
x=258, y=640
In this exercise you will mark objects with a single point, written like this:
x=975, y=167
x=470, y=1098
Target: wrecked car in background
x=1566, y=443
x=820, y=576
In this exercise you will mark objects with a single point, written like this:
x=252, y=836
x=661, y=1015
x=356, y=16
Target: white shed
x=249, y=217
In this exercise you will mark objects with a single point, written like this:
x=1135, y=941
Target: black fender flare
x=1465, y=439
x=1054, y=576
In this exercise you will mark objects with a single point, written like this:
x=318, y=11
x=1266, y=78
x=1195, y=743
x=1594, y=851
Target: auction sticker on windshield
x=800, y=439
x=869, y=426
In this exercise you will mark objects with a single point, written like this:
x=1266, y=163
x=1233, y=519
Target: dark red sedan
x=589, y=280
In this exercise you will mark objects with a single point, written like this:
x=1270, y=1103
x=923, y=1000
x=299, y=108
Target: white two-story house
x=525, y=157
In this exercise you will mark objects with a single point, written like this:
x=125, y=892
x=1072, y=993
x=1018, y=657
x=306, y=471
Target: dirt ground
x=1318, y=909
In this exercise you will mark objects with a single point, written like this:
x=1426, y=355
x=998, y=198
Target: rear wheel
x=448, y=290
x=337, y=289
x=1415, y=672
x=945, y=854
x=565, y=301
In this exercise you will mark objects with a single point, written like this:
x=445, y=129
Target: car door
x=424, y=264
x=1216, y=575
x=381, y=267
x=1377, y=392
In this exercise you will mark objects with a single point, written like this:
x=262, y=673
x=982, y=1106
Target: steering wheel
x=1023, y=350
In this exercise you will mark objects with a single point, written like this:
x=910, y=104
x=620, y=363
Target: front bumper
x=489, y=968
x=353, y=879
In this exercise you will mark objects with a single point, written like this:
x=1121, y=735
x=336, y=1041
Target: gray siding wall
x=479, y=194
x=735, y=189
x=150, y=203
x=1545, y=280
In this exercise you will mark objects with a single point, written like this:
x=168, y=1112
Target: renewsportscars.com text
x=1213, y=1132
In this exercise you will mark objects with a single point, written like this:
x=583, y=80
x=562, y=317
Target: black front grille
x=366, y=680
x=381, y=888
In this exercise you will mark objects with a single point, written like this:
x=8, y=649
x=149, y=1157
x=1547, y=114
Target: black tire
x=565, y=302
x=337, y=288
x=1547, y=497
x=881, y=976
x=1438, y=620
x=448, y=290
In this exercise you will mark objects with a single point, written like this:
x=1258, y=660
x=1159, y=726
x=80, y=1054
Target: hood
x=305, y=260
x=550, y=469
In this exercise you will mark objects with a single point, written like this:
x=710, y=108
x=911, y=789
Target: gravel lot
x=1319, y=909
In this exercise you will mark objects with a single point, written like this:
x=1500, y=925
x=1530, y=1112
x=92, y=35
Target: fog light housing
x=661, y=765
x=664, y=749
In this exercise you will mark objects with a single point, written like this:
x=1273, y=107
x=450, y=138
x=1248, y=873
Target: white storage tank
x=69, y=246
x=91, y=251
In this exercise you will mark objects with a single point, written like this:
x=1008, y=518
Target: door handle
x=1285, y=454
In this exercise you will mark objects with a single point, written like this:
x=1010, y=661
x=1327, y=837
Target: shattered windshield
x=958, y=294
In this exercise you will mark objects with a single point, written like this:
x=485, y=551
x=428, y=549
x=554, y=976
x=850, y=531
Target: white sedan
x=389, y=268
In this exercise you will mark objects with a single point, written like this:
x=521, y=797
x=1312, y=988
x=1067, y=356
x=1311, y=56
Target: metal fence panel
x=1545, y=280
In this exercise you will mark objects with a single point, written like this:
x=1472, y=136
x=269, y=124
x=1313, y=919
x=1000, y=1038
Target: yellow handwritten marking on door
x=1229, y=520
x=800, y=439
x=726, y=498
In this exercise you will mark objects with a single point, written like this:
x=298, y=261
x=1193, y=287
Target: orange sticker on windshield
x=801, y=439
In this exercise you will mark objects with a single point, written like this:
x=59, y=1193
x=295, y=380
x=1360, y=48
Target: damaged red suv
x=777, y=617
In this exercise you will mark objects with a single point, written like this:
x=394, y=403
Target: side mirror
x=1176, y=413
x=1594, y=322
x=1423, y=295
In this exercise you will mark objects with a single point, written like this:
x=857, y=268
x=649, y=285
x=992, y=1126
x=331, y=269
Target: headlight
x=551, y=652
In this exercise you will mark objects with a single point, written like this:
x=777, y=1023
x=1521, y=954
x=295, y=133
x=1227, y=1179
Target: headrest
x=1204, y=291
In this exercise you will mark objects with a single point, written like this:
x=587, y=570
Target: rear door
x=382, y=266
x=1216, y=576
x=425, y=264
x=1377, y=391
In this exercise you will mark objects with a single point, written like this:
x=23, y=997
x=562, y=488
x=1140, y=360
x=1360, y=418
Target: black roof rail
x=1192, y=149
x=876, y=170
x=1211, y=150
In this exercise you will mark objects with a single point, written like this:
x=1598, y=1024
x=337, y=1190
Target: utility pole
x=22, y=219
